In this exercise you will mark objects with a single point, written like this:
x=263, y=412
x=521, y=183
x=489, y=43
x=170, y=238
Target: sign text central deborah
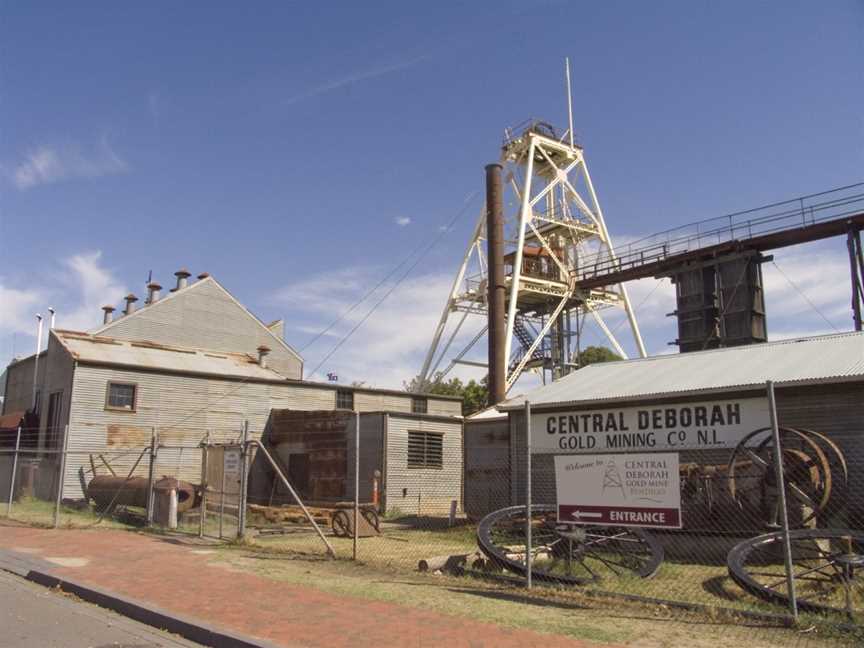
x=674, y=426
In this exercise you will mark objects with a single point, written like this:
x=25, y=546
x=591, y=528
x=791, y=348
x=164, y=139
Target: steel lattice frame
x=559, y=215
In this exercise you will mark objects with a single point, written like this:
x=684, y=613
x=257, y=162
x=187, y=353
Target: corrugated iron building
x=184, y=366
x=418, y=458
x=819, y=384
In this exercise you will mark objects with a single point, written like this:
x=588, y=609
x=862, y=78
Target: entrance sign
x=231, y=465
x=672, y=426
x=641, y=490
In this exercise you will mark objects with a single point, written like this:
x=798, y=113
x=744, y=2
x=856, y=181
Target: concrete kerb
x=33, y=569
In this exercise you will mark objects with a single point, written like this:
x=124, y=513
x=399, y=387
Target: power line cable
x=242, y=382
x=807, y=299
x=368, y=294
x=398, y=282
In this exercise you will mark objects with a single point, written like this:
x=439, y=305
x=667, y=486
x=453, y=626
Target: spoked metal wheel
x=752, y=477
x=566, y=553
x=828, y=568
x=341, y=524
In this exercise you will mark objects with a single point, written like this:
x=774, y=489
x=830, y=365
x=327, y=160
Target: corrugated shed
x=422, y=491
x=823, y=359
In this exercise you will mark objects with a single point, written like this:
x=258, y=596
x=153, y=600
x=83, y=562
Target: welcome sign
x=676, y=426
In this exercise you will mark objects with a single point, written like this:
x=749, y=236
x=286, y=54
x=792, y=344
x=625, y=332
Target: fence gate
x=223, y=475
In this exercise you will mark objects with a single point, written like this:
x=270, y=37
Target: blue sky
x=299, y=152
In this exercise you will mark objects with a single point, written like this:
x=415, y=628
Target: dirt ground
x=597, y=620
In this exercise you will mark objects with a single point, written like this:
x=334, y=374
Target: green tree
x=474, y=394
x=591, y=354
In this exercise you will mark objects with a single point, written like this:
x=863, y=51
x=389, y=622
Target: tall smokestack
x=107, y=317
x=497, y=288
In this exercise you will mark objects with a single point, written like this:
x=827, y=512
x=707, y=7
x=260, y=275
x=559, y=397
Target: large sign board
x=641, y=490
x=674, y=426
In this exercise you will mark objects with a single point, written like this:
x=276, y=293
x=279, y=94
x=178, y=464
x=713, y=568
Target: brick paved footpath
x=169, y=576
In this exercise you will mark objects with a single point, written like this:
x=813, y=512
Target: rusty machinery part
x=103, y=489
x=372, y=517
x=836, y=458
x=828, y=568
x=342, y=522
x=566, y=553
x=752, y=474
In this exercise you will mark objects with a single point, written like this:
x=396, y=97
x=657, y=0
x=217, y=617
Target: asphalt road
x=32, y=616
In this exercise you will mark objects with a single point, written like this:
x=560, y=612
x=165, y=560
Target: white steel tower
x=554, y=229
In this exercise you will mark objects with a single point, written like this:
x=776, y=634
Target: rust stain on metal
x=127, y=436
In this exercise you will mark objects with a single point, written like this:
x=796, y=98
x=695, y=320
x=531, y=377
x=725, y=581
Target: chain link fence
x=766, y=529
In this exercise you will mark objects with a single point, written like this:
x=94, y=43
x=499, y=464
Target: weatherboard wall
x=205, y=316
x=19, y=384
x=182, y=409
x=422, y=491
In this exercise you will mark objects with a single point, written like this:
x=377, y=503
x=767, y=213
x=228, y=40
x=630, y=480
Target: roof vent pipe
x=203, y=275
x=130, y=304
x=182, y=278
x=153, y=292
x=107, y=317
x=262, y=356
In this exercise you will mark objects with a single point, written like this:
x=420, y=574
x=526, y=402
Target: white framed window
x=121, y=396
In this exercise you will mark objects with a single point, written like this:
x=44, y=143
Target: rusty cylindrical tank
x=133, y=491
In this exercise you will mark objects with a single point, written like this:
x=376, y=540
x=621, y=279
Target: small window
x=121, y=396
x=345, y=399
x=425, y=450
x=419, y=405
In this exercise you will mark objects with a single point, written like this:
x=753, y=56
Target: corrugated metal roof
x=826, y=358
x=491, y=413
x=111, y=351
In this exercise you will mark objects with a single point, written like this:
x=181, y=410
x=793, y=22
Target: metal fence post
x=61, y=476
x=14, y=468
x=222, y=494
x=356, y=482
x=781, y=486
x=528, y=547
x=203, y=512
x=151, y=473
x=241, y=497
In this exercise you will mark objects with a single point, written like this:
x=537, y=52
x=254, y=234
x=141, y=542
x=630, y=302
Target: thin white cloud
x=92, y=286
x=351, y=79
x=389, y=347
x=49, y=164
x=77, y=289
x=402, y=221
x=18, y=309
